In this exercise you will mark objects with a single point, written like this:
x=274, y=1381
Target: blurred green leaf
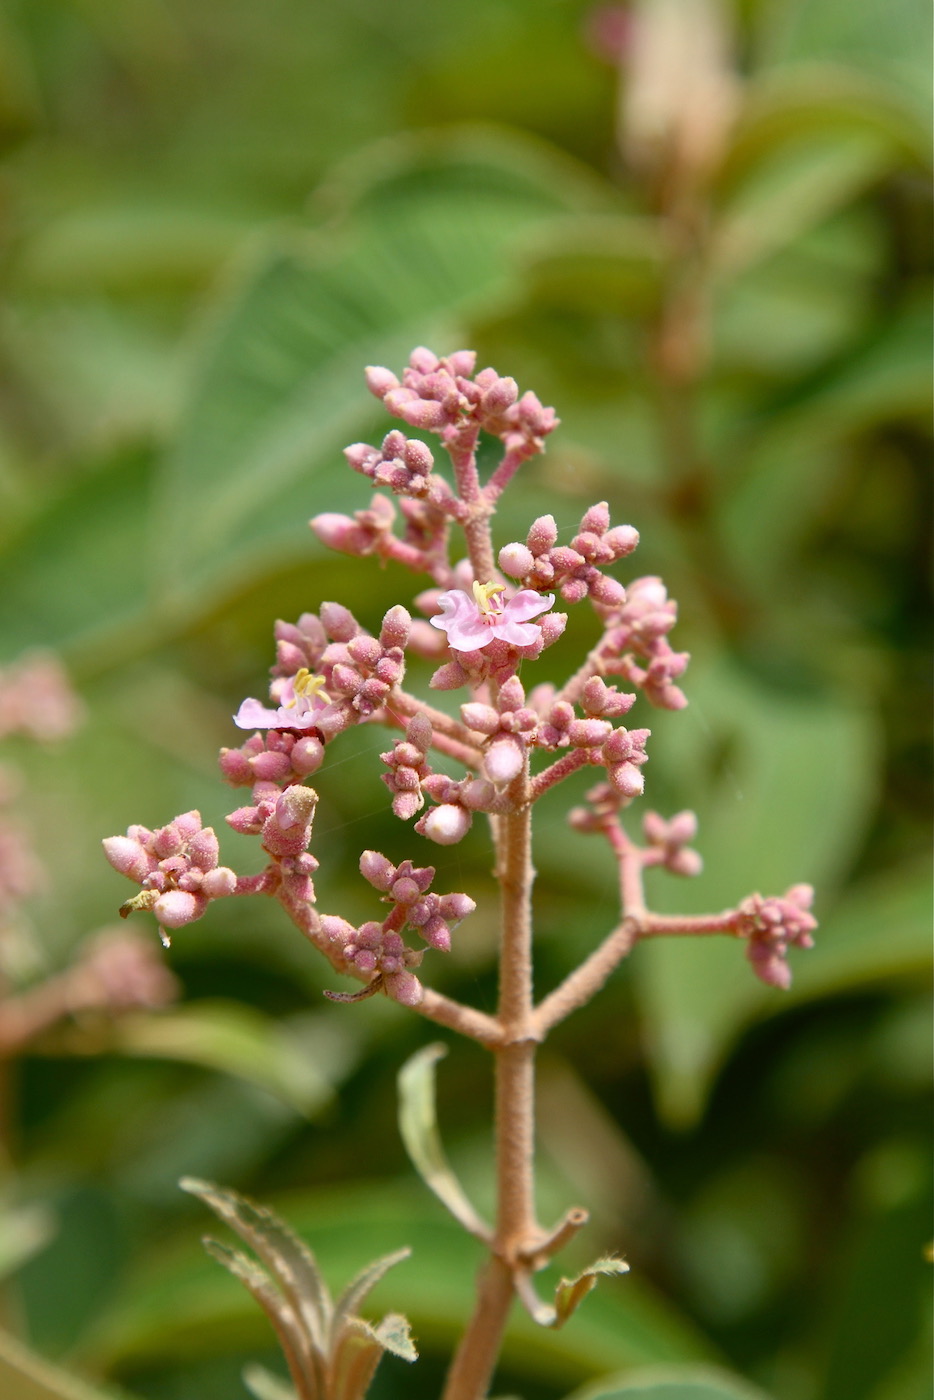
x=25, y=1376
x=608, y=263
x=788, y=784
x=430, y=238
x=786, y=108
x=234, y=1038
x=418, y=1127
x=784, y=197
x=23, y=1231
x=671, y=1383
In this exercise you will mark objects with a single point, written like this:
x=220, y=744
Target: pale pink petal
x=525, y=604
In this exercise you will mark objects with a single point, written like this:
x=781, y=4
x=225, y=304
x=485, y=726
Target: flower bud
x=396, y=627
x=178, y=907
x=542, y=535
x=128, y=857
x=380, y=381
x=516, y=560
x=504, y=761
x=219, y=883
x=446, y=824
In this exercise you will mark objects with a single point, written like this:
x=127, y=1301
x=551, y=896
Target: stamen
x=486, y=600
x=307, y=686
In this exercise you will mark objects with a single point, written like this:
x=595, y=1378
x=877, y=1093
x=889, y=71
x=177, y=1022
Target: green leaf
x=785, y=785
x=426, y=239
x=418, y=1126
x=236, y=1039
x=671, y=1383
x=791, y=193
x=289, y=1259
x=786, y=108
x=24, y=1230
x=25, y=1376
x=597, y=263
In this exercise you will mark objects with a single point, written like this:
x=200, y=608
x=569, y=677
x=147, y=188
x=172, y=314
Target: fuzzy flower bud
x=446, y=824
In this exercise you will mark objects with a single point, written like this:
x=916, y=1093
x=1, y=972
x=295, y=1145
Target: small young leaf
x=290, y=1260
x=355, y=1292
x=571, y=1292
x=395, y=1335
x=265, y=1386
x=418, y=1125
x=288, y=1328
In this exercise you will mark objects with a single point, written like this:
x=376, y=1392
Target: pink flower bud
x=271, y=767
x=596, y=520
x=404, y=891
x=128, y=857
x=622, y=539
x=365, y=651
x=219, y=883
x=627, y=779
x=397, y=624
x=296, y=806
x=380, y=381
x=483, y=718
x=437, y=934
x=455, y=907
x=204, y=849
x=585, y=733
x=607, y=591
x=449, y=676
x=445, y=825
x=516, y=560
x=341, y=533
x=504, y=761
x=406, y=804
x=542, y=535
x=418, y=731
x=307, y=755
x=682, y=829
x=339, y=622
x=685, y=862
x=335, y=929
x=177, y=907
x=405, y=988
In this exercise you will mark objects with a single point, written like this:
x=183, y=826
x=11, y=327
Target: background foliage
x=213, y=215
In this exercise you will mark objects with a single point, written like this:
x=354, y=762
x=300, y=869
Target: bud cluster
x=378, y=950
x=574, y=569
x=439, y=395
x=176, y=866
x=773, y=925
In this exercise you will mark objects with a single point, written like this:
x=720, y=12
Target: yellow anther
x=307, y=686
x=484, y=594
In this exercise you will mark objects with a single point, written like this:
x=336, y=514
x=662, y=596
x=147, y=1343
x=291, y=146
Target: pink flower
x=302, y=699
x=471, y=623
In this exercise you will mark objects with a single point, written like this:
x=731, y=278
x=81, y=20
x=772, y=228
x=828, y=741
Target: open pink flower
x=302, y=698
x=470, y=623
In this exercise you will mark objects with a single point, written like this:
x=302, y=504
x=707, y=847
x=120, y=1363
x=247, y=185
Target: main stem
x=475, y=1360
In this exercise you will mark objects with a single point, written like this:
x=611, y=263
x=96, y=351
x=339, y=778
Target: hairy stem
x=474, y=1362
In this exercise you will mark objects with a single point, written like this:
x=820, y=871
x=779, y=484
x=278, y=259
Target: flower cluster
x=377, y=950
x=486, y=616
x=771, y=926
x=177, y=867
x=574, y=569
x=439, y=395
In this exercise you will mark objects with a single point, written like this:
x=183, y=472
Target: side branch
x=444, y=1011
